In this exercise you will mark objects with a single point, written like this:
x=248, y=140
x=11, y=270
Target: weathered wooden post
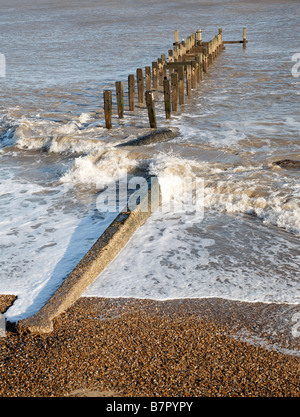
x=183, y=48
x=160, y=72
x=193, y=36
x=120, y=98
x=220, y=39
x=244, y=38
x=176, y=36
x=210, y=54
x=194, y=75
x=148, y=78
x=151, y=109
x=188, y=44
x=140, y=84
x=189, y=80
x=164, y=71
x=199, y=37
x=218, y=43
x=211, y=51
x=131, y=91
x=171, y=59
x=199, y=60
x=181, y=84
x=154, y=75
x=204, y=60
x=107, y=96
x=174, y=88
x=167, y=97
x=179, y=53
x=175, y=53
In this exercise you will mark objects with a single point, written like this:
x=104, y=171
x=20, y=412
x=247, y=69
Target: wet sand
x=130, y=347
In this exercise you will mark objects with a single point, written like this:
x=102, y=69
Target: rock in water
x=287, y=164
x=160, y=135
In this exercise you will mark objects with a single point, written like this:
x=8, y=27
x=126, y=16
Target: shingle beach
x=130, y=347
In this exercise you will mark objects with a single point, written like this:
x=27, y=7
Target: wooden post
x=176, y=36
x=164, y=71
x=167, y=97
x=107, y=96
x=215, y=47
x=193, y=75
x=120, y=98
x=204, y=59
x=218, y=43
x=148, y=78
x=151, y=109
x=199, y=59
x=193, y=36
x=210, y=57
x=199, y=37
x=179, y=52
x=188, y=44
x=171, y=59
x=154, y=74
x=160, y=71
x=189, y=80
x=181, y=85
x=183, y=47
x=131, y=91
x=140, y=85
x=174, y=88
x=175, y=53
x=244, y=38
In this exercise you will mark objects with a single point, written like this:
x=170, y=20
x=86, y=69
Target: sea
x=56, y=155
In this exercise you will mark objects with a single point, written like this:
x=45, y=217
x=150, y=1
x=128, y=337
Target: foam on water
x=98, y=169
x=185, y=255
x=168, y=259
x=236, y=189
x=54, y=136
x=43, y=238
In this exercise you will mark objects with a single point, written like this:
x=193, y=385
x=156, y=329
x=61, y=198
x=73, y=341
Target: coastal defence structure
x=176, y=78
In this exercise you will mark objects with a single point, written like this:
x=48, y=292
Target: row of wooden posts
x=178, y=75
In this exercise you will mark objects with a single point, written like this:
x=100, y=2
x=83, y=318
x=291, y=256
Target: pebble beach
x=143, y=348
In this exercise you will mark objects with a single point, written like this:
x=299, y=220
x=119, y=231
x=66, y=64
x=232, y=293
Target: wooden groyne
x=175, y=75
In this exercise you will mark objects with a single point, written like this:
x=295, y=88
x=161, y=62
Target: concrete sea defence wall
x=95, y=261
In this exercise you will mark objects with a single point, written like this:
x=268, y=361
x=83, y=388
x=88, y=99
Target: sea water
x=56, y=155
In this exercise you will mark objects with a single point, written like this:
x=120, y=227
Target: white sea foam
x=100, y=168
x=168, y=259
x=238, y=189
x=36, y=133
x=42, y=240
